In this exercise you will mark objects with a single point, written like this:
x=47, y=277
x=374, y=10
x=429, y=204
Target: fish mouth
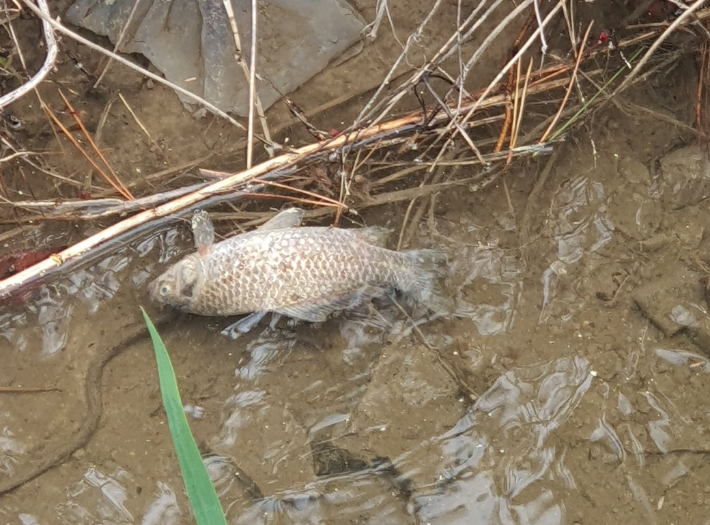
x=153, y=291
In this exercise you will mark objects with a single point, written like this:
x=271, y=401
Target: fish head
x=178, y=285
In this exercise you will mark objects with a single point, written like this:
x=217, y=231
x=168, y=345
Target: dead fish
x=306, y=273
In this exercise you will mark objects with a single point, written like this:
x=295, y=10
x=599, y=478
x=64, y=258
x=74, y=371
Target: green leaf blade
x=200, y=491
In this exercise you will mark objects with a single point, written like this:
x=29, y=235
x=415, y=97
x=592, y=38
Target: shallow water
x=567, y=387
x=547, y=397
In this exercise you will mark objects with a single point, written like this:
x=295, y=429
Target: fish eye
x=164, y=290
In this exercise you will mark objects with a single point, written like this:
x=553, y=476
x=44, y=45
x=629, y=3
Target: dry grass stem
x=119, y=183
x=250, y=76
x=115, y=185
x=682, y=18
x=97, y=140
x=119, y=42
x=138, y=121
x=572, y=81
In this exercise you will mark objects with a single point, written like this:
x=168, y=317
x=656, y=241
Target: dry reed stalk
x=140, y=124
x=512, y=82
x=83, y=209
x=321, y=199
x=93, y=209
x=252, y=86
x=78, y=252
x=21, y=390
x=97, y=139
x=701, y=118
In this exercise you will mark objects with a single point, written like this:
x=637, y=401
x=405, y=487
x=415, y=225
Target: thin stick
x=149, y=179
x=586, y=106
x=331, y=202
x=572, y=80
x=93, y=209
x=543, y=42
x=630, y=106
x=448, y=368
x=252, y=84
x=516, y=125
x=75, y=115
x=50, y=59
x=84, y=153
x=247, y=74
x=524, y=226
x=657, y=43
x=20, y=390
x=704, y=60
x=371, y=202
x=24, y=156
x=17, y=231
x=97, y=139
x=568, y=12
x=516, y=99
x=138, y=121
x=119, y=42
x=299, y=200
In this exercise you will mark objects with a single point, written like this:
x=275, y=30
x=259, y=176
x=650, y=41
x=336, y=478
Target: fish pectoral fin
x=275, y=318
x=246, y=323
x=305, y=312
x=290, y=218
x=319, y=311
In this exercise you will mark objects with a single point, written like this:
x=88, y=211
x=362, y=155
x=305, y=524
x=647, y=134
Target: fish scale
x=240, y=274
x=306, y=273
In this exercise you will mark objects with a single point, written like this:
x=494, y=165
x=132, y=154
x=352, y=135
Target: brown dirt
x=580, y=327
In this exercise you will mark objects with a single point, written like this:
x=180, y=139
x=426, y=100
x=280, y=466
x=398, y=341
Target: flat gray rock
x=191, y=43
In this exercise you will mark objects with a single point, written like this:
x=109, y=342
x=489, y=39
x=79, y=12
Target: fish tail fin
x=422, y=277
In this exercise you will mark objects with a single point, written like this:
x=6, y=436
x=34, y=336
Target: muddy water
x=568, y=387
x=557, y=393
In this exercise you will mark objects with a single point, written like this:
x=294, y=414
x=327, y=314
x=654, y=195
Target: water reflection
x=361, y=420
x=49, y=312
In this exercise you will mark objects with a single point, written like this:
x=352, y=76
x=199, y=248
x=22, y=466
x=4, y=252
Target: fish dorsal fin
x=290, y=218
x=375, y=235
x=203, y=231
